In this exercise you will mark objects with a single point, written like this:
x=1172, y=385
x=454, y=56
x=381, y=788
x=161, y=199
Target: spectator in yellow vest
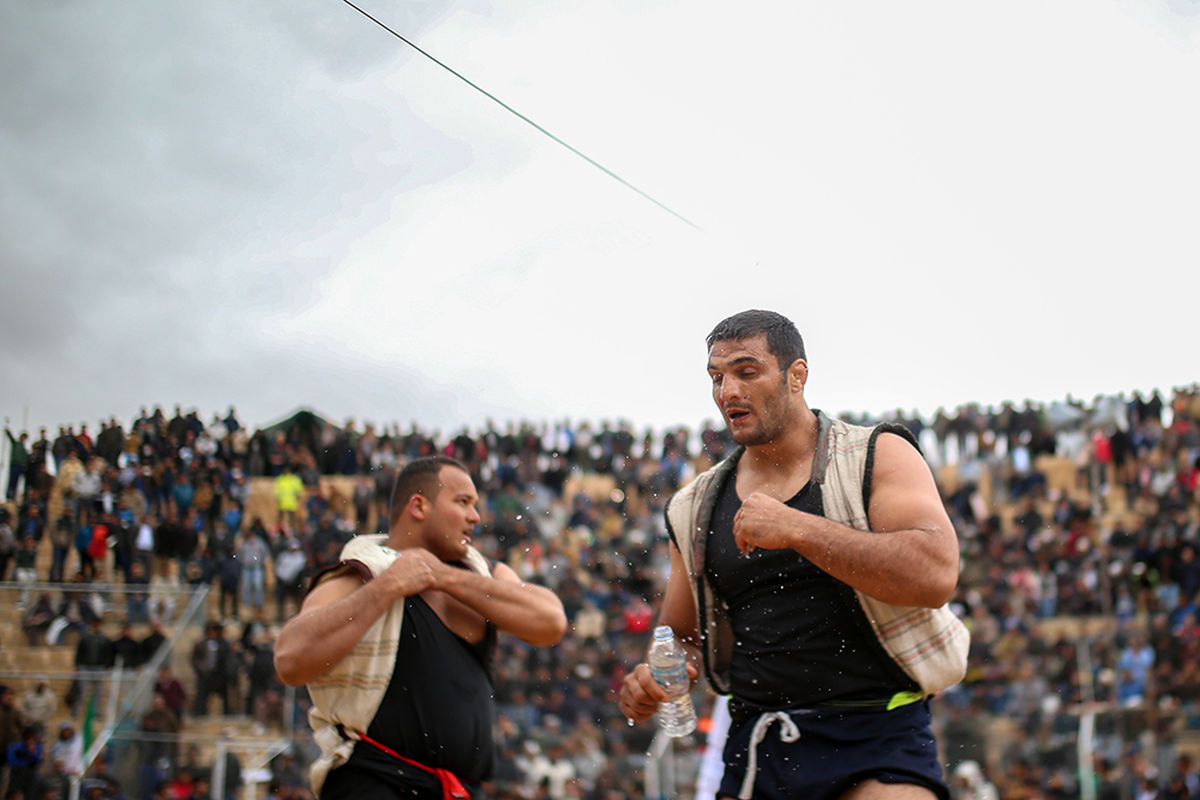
x=288, y=491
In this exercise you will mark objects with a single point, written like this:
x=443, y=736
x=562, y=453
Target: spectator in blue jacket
x=24, y=758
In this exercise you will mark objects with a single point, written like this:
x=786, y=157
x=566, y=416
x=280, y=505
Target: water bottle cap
x=664, y=632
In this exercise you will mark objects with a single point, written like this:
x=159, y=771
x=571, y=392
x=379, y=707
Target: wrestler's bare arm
x=908, y=558
x=640, y=695
x=530, y=612
x=337, y=614
x=679, y=608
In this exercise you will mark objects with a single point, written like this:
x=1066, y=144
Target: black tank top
x=801, y=639
x=439, y=707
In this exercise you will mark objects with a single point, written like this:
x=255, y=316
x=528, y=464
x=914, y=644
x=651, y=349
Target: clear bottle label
x=670, y=676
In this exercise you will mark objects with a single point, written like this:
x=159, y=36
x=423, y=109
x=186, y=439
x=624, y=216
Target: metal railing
x=659, y=777
x=119, y=697
x=125, y=692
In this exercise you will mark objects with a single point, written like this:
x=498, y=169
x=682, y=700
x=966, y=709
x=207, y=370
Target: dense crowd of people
x=579, y=508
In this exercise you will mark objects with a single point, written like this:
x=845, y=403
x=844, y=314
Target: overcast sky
x=278, y=204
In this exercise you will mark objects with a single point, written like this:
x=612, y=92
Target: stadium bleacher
x=1074, y=537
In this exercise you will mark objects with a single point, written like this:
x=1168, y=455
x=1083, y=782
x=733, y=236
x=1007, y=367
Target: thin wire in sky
x=526, y=119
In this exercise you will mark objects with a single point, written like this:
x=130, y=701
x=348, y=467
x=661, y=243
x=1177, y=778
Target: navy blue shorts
x=833, y=751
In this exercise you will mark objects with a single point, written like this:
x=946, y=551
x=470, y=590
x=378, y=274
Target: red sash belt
x=452, y=788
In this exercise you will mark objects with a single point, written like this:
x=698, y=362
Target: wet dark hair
x=419, y=476
x=783, y=340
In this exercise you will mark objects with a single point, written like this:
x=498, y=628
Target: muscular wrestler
x=809, y=576
x=395, y=643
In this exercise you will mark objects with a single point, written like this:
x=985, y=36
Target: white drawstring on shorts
x=788, y=732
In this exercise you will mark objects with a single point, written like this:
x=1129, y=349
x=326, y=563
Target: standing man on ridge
x=395, y=643
x=810, y=572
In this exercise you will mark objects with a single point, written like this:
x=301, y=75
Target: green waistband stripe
x=900, y=699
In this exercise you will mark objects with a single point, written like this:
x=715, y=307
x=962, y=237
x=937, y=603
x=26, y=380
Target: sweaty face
x=452, y=517
x=750, y=389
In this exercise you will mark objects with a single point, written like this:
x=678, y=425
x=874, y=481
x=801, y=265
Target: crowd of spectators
x=36, y=762
x=1109, y=534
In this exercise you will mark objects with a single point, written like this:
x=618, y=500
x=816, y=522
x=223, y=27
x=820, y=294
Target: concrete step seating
x=249, y=739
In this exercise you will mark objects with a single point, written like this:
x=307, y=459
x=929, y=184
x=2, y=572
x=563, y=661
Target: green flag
x=89, y=715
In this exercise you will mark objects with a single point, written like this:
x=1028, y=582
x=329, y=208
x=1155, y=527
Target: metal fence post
x=217, y=785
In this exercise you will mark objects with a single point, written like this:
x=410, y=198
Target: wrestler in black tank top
x=801, y=639
x=438, y=710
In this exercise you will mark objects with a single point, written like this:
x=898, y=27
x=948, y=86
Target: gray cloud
x=158, y=165
x=198, y=201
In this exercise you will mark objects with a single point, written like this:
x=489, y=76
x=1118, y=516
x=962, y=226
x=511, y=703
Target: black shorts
x=371, y=775
x=833, y=751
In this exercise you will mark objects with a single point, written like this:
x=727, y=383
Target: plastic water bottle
x=668, y=665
